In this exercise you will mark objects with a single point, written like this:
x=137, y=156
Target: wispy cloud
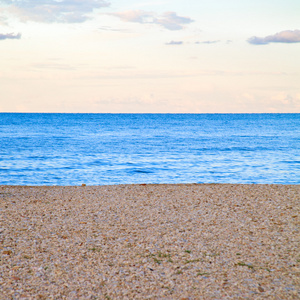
x=172, y=21
x=169, y=20
x=208, y=42
x=287, y=36
x=135, y=16
x=10, y=36
x=175, y=43
x=47, y=11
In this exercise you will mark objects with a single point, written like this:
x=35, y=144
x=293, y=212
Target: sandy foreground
x=184, y=241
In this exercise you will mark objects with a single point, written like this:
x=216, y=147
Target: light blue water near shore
x=98, y=149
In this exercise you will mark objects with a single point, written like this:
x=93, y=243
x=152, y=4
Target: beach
x=148, y=241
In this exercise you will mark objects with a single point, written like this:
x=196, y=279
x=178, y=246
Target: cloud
x=10, y=36
x=48, y=11
x=207, y=42
x=287, y=36
x=169, y=20
x=175, y=43
x=136, y=16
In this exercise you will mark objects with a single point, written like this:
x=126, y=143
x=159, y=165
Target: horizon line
x=156, y=113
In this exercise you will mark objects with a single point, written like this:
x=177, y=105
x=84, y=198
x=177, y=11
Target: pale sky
x=159, y=56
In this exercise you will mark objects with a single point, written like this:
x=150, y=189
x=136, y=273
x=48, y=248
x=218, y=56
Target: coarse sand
x=181, y=241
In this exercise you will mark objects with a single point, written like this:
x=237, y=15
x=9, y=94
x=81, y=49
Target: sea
x=107, y=149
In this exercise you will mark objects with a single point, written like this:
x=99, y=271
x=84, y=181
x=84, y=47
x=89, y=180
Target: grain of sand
x=183, y=241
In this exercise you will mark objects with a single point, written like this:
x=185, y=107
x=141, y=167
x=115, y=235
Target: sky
x=158, y=56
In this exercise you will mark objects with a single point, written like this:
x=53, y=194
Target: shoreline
x=150, y=241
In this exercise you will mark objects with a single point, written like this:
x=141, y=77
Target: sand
x=184, y=241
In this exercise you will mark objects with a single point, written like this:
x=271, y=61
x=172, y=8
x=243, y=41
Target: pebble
x=183, y=241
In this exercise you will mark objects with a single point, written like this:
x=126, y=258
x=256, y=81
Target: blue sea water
x=100, y=149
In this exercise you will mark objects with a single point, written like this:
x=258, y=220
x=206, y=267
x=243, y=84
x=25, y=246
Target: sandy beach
x=182, y=241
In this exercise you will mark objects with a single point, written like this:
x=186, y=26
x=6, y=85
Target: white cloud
x=11, y=36
x=208, y=42
x=169, y=20
x=47, y=11
x=136, y=16
x=287, y=36
x=175, y=43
